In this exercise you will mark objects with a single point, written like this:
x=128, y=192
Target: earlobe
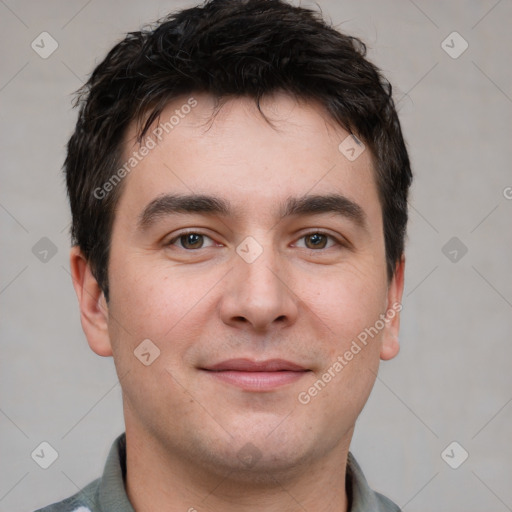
x=93, y=307
x=390, y=348
x=390, y=344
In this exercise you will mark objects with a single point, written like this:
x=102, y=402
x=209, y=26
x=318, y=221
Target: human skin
x=186, y=427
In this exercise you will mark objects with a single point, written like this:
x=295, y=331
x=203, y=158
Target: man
x=238, y=182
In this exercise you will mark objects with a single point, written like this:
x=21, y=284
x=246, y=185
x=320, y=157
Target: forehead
x=234, y=153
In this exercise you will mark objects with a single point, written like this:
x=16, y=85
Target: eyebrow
x=169, y=204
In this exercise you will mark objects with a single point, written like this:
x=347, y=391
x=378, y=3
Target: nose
x=259, y=295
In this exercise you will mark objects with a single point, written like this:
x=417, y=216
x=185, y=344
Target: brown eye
x=316, y=241
x=191, y=241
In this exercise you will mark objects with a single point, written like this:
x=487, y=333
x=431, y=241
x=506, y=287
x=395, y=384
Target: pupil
x=317, y=239
x=192, y=239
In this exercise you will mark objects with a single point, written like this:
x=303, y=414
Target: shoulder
x=83, y=501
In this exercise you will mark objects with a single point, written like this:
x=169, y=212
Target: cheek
x=352, y=307
x=347, y=304
x=148, y=298
x=170, y=307
x=347, y=310
x=147, y=303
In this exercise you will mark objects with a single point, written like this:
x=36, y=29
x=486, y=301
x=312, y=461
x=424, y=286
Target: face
x=255, y=294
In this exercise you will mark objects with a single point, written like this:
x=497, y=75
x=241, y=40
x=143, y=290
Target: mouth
x=256, y=375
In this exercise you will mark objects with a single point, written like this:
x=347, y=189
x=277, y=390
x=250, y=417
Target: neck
x=158, y=480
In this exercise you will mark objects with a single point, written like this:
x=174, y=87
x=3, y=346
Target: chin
x=263, y=456
x=265, y=467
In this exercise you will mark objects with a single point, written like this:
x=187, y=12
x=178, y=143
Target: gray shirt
x=108, y=494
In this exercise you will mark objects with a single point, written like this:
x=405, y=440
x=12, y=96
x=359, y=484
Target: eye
x=318, y=240
x=191, y=241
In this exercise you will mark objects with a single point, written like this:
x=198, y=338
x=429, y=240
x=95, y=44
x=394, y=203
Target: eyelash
x=336, y=241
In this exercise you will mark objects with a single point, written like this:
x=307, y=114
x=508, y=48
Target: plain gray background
x=452, y=378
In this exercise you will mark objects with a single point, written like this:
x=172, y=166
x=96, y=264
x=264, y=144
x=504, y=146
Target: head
x=248, y=109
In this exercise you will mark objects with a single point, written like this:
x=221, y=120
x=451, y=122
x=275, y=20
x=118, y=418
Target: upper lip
x=248, y=365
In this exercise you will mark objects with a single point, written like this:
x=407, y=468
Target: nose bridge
x=257, y=293
x=261, y=277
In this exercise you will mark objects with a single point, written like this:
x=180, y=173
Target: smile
x=257, y=376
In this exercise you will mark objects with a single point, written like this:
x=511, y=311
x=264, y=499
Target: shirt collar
x=360, y=497
x=112, y=495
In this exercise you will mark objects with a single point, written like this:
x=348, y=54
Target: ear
x=93, y=306
x=390, y=344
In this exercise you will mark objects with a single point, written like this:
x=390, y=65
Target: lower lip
x=257, y=381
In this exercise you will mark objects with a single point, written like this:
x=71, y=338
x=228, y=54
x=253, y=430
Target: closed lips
x=247, y=365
